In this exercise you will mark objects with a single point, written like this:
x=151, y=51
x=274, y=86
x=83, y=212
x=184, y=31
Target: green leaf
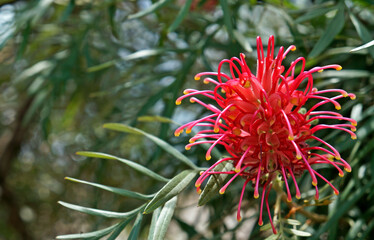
x=117, y=231
x=152, y=227
x=161, y=143
x=136, y=227
x=101, y=66
x=119, y=191
x=129, y=163
x=102, y=213
x=366, y=45
x=164, y=219
x=243, y=41
x=273, y=236
x=314, y=13
x=333, y=28
x=181, y=15
x=171, y=189
x=291, y=221
x=296, y=232
x=133, y=56
x=215, y=182
x=364, y=34
x=343, y=208
x=149, y=10
x=99, y=233
x=265, y=227
x=160, y=119
x=227, y=17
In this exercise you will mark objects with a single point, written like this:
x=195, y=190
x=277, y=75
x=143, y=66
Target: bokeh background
x=69, y=66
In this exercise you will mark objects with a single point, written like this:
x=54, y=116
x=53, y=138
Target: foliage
x=69, y=66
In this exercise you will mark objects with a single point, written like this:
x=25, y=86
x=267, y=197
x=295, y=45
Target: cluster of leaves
x=64, y=73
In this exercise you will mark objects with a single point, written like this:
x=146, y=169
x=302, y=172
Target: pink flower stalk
x=260, y=121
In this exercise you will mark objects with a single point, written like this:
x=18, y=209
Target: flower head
x=261, y=121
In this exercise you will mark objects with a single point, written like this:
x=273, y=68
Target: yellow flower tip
x=239, y=219
x=298, y=196
x=338, y=157
x=354, y=137
x=320, y=70
x=338, y=107
x=345, y=94
x=216, y=129
x=293, y=48
x=187, y=147
x=291, y=138
x=178, y=102
x=191, y=101
x=191, y=140
x=237, y=131
x=348, y=169
x=205, y=81
x=341, y=174
x=197, y=185
x=221, y=191
x=354, y=123
x=208, y=157
x=247, y=84
x=197, y=78
x=289, y=199
x=223, y=91
x=237, y=169
x=314, y=183
x=338, y=68
x=186, y=92
x=198, y=191
x=353, y=97
x=336, y=192
x=261, y=223
x=298, y=156
x=353, y=129
x=256, y=195
x=188, y=130
x=201, y=173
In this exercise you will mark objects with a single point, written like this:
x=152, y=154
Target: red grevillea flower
x=260, y=121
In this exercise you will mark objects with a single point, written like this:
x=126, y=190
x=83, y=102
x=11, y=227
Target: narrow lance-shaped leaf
x=160, y=119
x=215, y=182
x=348, y=203
x=161, y=143
x=227, y=17
x=129, y=163
x=154, y=7
x=317, y=12
x=164, y=219
x=333, y=28
x=298, y=233
x=117, y=231
x=364, y=34
x=152, y=228
x=136, y=227
x=366, y=45
x=182, y=13
x=102, y=213
x=99, y=233
x=119, y=191
x=171, y=189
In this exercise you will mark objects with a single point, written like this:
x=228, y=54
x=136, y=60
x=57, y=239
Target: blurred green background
x=69, y=66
